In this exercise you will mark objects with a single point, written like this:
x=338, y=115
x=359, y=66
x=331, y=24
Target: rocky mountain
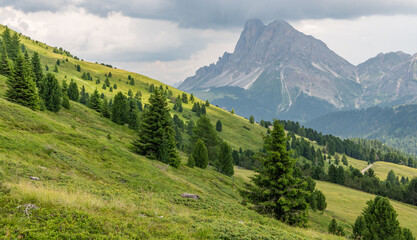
x=276, y=71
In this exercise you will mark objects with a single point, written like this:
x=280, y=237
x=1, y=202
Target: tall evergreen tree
x=200, y=154
x=219, y=126
x=21, y=87
x=65, y=98
x=119, y=109
x=192, y=98
x=83, y=96
x=7, y=42
x=252, y=119
x=275, y=189
x=14, y=50
x=225, y=159
x=6, y=65
x=105, y=112
x=378, y=221
x=51, y=93
x=156, y=136
x=205, y=131
x=73, y=92
x=132, y=114
x=95, y=101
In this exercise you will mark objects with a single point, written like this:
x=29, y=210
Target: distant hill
x=396, y=126
x=276, y=71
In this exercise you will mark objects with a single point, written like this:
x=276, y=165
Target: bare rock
x=190, y=195
x=34, y=178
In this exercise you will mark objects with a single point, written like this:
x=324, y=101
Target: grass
x=93, y=187
x=346, y=204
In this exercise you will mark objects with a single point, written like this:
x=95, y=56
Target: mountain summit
x=277, y=71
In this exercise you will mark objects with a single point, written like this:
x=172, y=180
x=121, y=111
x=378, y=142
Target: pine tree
x=156, y=129
x=251, y=119
x=184, y=98
x=275, y=189
x=119, y=109
x=83, y=96
x=192, y=98
x=51, y=93
x=65, y=101
x=132, y=114
x=73, y=92
x=219, y=126
x=232, y=111
x=225, y=159
x=56, y=69
x=15, y=47
x=105, y=112
x=95, y=101
x=200, y=154
x=7, y=43
x=21, y=87
x=65, y=98
x=207, y=103
x=205, y=131
x=332, y=227
x=378, y=221
x=321, y=203
x=107, y=82
x=6, y=65
x=190, y=162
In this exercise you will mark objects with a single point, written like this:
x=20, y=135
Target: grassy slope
x=345, y=208
x=92, y=186
x=233, y=131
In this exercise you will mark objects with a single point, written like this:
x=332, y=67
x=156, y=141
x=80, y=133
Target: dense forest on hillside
x=395, y=126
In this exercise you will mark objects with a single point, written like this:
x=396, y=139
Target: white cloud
x=360, y=39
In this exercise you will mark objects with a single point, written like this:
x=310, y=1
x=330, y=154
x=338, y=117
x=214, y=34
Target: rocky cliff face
x=277, y=71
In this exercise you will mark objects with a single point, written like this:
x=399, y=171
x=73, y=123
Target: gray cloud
x=227, y=13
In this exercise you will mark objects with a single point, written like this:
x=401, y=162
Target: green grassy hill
x=346, y=204
x=92, y=186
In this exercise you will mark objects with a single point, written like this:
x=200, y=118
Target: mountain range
x=276, y=71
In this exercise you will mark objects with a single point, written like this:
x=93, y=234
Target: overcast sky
x=170, y=39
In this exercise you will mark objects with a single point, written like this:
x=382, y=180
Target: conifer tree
x=378, y=221
x=119, y=109
x=190, y=162
x=105, y=112
x=200, y=154
x=6, y=65
x=184, y=98
x=275, y=189
x=156, y=135
x=232, y=111
x=73, y=92
x=14, y=50
x=251, y=119
x=107, y=82
x=204, y=130
x=65, y=98
x=219, y=126
x=207, y=103
x=65, y=101
x=83, y=96
x=7, y=42
x=336, y=229
x=51, y=93
x=192, y=98
x=21, y=87
x=56, y=69
x=225, y=159
x=132, y=114
x=95, y=102
x=321, y=203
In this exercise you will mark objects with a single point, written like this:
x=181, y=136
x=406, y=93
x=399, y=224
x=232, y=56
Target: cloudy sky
x=170, y=39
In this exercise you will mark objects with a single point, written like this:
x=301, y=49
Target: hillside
x=396, y=126
x=345, y=208
x=251, y=138
x=90, y=185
